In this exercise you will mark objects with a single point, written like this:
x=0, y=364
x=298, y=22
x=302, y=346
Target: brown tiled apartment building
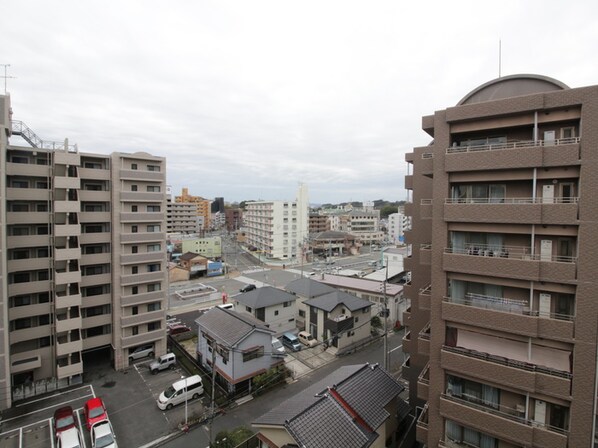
x=82, y=259
x=501, y=342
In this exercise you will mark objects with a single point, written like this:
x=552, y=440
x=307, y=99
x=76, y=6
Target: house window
x=248, y=309
x=133, y=166
x=254, y=353
x=276, y=313
x=155, y=168
x=286, y=304
x=301, y=313
x=133, y=187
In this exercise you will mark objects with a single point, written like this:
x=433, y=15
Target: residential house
x=237, y=344
x=304, y=289
x=340, y=319
x=356, y=406
x=196, y=264
x=275, y=307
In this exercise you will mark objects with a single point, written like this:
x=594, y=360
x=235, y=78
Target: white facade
x=397, y=224
x=278, y=228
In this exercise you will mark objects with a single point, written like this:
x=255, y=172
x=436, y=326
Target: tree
x=387, y=210
x=232, y=438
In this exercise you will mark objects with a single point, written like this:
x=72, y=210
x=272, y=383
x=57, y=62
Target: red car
x=64, y=418
x=94, y=411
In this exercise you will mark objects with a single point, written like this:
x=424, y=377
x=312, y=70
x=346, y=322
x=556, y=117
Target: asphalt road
x=244, y=414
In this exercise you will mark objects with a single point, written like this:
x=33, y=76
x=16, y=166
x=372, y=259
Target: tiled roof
x=362, y=284
x=333, y=235
x=330, y=301
x=308, y=288
x=229, y=326
x=187, y=256
x=346, y=416
x=327, y=425
x=264, y=297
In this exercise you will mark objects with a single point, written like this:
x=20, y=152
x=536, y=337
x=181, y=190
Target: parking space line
x=51, y=432
x=21, y=437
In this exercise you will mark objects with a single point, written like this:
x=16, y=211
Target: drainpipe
x=536, y=127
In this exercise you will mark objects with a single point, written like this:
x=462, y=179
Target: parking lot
x=130, y=399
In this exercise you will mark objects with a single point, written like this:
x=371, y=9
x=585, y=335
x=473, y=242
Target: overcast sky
x=247, y=98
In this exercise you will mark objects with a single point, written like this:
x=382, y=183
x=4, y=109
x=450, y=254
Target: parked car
x=248, y=288
x=178, y=329
x=102, y=435
x=278, y=348
x=291, y=341
x=69, y=438
x=227, y=306
x=142, y=351
x=306, y=338
x=94, y=411
x=163, y=362
x=185, y=389
x=64, y=419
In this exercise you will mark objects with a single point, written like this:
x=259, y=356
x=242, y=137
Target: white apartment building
x=82, y=258
x=278, y=229
x=181, y=217
x=397, y=224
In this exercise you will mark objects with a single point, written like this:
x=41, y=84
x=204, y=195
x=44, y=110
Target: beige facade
x=181, y=217
x=502, y=328
x=203, y=207
x=83, y=257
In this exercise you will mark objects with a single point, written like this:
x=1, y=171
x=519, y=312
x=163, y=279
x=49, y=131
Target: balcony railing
x=504, y=304
x=507, y=362
x=502, y=200
x=513, y=145
x=425, y=332
x=515, y=252
x=426, y=291
x=504, y=411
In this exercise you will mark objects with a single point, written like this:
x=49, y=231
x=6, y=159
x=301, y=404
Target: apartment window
x=153, y=326
x=135, y=330
x=133, y=229
x=134, y=208
x=41, y=207
x=248, y=309
x=89, y=250
x=135, y=290
x=153, y=307
x=19, y=159
x=153, y=168
x=93, y=228
x=93, y=187
x=134, y=269
x=42, y=230
x=94, y=311
x=253, y=353
x=94, y=208
x=153, y=208
x=21, y=301
x=153, y=228
x=568, y=132
x=93, y=165
x=19, y=184
x=133, y=187
x=20, y=254
x=286, y=304
x=134, y=310
x=20, y=231
x=41, y=184
x=301, y=313
x=154, y=267
x=152, y=287
x=133, y=166
x=20, y=277
x=20, y=207
x=95, y=290
x=43, y=297
x=134, y=249
x=21, y=324
x=44, y=342
x=93, y=270
x=153, y=189
x=153, y=247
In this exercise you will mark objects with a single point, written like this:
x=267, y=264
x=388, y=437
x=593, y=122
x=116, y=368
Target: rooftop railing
x=511, y=252
x=539, y=200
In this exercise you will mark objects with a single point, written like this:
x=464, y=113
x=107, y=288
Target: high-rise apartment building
x=203, y=207
x=502, y=330
x=82, y=260
x=278, y=229
x=181, y=217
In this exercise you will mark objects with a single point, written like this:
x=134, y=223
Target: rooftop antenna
x=5, y=75
x=499, y=56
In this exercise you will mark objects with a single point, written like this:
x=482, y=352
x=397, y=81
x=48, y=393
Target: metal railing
x=512, y=252
x=20, y=128
x=511, y=201
x=513, y=145
x=504, y=412
x=426, y=291
x=508, y=362
x=425, y=332
x=506, y=305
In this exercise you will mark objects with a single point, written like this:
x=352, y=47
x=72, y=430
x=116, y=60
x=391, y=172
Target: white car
x=102, y=435
x=70, y=438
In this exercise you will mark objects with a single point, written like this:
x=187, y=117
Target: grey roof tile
x=264, y=297
x=308, y=288
x=328, y=302
x=229, y=326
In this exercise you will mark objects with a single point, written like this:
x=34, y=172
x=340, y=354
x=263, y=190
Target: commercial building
x=503, y=323
x=83, y=258
x=278, y=229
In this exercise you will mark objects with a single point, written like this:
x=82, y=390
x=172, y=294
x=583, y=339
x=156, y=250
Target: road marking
x=396, y=348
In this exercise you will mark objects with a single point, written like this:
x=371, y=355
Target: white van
x=185, y=389
x=227, y=306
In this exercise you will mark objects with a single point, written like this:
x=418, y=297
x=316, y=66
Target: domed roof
x=510, y=86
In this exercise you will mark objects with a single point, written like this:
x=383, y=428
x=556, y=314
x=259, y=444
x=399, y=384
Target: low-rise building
x=356, y=406
x=304, y=289
x=210, y=247
x=238, y=345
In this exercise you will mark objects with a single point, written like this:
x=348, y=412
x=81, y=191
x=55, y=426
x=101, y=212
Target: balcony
x=94, y=237
x=67, y=158
x=143, y=217
x=63, y=277
x=137, y=319
x=63, y=253
x=142, y=258
x=28, y=218
x=150, y=336
x=143, y=237
x=67, y=230
x=97, y=341
x=409, y=209
x=69, y=370
x=425, y=209
x=27, y=241
x=64, y=323
x=561, y=211
x=67, y=301
x=142, y=175
x=28, y=264
x=135, y=196
x=406, y=316
x=67, y=347
x=424, y=298
x=87, y=217
x=17, y=289
x=67, y=206
x=421, y=429
x=138, y=299
x=519, y=375
x=30, y=334
x=94, y=196
x=97, y=321
x=505, y=424
x=519, y=154
x=25, y=361
x=339, y=323
x=425, y=254
x=510, y=262
x=98, y=279
x=27, y=194
x=510, y=316
x=135, y=279
x=21, y=312
x=27, y=169
x=427, y=164
x=409, y=182
x=94, y=174
x=73, y=183
x=423, y=383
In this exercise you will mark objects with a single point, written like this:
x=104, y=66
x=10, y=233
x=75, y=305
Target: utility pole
x=386, y=366
x=6, y=75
